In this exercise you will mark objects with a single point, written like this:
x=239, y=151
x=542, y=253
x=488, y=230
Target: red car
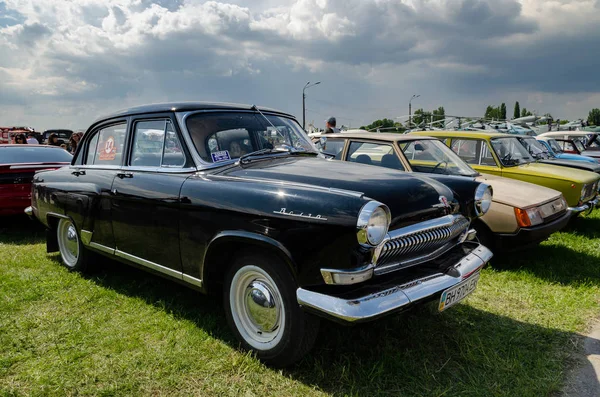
x=18, y=163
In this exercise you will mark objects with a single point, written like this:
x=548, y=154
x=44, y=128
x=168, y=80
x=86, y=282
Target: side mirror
x=419, y=147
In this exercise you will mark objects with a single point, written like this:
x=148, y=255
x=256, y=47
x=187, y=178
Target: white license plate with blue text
x=460, y=291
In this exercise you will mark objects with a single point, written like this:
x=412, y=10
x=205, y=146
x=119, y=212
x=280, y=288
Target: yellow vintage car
x=521, y=214
x=503, y=155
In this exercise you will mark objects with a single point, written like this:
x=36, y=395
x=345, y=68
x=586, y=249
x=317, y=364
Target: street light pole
x=308, y=85
x=410, y=109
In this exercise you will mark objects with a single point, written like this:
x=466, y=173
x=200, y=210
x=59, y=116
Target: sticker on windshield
x=109, y=152
x=220, y=156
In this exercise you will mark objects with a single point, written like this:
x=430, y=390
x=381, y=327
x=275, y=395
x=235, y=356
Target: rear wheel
x=72, y=252
x=262, y=310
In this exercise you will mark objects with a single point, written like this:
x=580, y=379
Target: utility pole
x=410, y=110
x=308, y=85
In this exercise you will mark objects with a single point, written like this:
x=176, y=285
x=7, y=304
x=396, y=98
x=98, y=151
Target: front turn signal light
x=522, y=217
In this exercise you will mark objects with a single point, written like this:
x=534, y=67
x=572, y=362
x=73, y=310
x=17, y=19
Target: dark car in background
x=18, y=163
x=236, y=200
x=62, y=135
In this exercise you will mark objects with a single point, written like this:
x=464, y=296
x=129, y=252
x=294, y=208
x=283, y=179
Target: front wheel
x=262, y=310
x=72, y=252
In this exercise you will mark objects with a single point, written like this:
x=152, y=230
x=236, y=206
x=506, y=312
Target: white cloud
x=109, y=53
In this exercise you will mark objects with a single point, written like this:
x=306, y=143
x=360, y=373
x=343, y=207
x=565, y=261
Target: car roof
x=185, y=106
x=464, y=134
x=562, y=133
x=19, y=145
x=377, y=136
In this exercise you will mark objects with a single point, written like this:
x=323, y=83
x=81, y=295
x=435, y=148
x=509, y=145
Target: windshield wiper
x=289, y=150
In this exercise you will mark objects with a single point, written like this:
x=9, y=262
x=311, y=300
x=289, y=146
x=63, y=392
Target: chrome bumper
x=589, y=207
x=374, y=305
x=29, y=211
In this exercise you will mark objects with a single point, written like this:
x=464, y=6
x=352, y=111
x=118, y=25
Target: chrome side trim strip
x=102, y=248
x=374, y=305
x=148, y=264
x=86, y=237
x=192, y=280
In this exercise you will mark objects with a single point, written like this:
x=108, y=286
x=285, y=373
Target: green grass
x=120, y=331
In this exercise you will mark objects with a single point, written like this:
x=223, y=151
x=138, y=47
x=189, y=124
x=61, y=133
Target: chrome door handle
x=125, y=175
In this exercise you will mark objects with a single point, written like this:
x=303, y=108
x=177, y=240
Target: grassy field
x=120, y=331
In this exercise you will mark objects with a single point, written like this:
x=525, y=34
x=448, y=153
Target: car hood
x=576, y=157
x=573, y=164
x=517, y=193
x=591, y=153
x=408, y=196
x=551, y=171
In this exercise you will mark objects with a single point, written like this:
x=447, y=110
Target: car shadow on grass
x=585, y=226
x=560, y=264
x=21, y=230
x=464, y=351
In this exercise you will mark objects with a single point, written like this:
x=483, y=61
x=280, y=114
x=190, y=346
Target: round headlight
x=373, y=222
x=483, y=199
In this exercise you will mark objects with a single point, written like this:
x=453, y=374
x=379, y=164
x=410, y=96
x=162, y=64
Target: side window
x=382, y=155
x=156, y=144
x=486, y=157
x=334, y=146
x=106, y=147
x=466, y=150
x=92, y=150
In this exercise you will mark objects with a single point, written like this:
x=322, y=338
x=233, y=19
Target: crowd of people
x=53, y=140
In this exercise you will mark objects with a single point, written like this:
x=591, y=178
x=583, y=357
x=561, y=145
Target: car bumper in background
x=528, y=236
x=352, y=308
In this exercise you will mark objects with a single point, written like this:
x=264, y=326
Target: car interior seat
x=391, y=161
x=364, y=159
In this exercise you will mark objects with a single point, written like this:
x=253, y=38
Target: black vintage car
x=236, y=199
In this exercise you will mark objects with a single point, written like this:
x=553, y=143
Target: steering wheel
x=438, y=164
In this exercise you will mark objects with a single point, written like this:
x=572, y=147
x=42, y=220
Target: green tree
x=438, y=115
x=594, y=117
x=517, y=112
x=503, y=111
x=492, y=112
x=525, y=113
x=388, y=124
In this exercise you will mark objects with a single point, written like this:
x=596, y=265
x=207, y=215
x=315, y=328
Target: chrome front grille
x=418, y=243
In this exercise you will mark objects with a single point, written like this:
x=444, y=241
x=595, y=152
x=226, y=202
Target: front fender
x=463, y=188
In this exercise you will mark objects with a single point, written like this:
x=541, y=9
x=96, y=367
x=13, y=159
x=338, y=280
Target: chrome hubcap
x=68, y=242
x=261, y=306
x=256, y=307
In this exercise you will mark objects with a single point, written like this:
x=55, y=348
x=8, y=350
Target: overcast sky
x=65, y=62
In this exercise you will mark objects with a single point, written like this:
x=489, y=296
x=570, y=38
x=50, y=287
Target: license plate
x=459, y=292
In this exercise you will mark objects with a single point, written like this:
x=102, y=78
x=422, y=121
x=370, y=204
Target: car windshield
x=594, y=140
x=431, y=155
x=33, y=154
x=510, y=151
x=578, y=145
x=535, y=148
x=222, y=136
x=555, y=146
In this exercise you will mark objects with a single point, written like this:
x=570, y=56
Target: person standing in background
x=31, y=140
x=330, y=126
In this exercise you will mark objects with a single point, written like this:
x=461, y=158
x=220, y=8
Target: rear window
x=33, y=154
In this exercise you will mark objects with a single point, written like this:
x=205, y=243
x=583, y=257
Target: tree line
x=421, y=116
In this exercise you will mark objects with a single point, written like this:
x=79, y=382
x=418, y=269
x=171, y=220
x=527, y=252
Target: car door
x=477, y=153
x=88, y=190
x=145, y=196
